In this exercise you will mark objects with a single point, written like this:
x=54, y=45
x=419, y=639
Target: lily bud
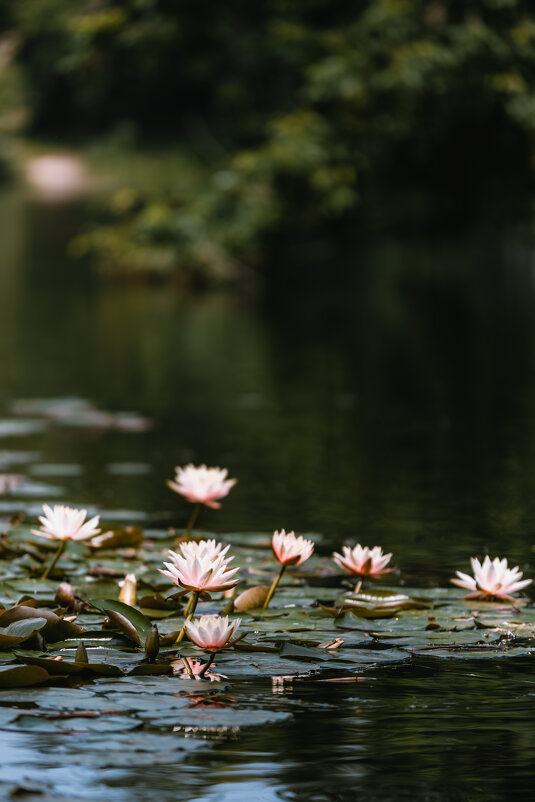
x=128, y=592
x=152, y=643
x=65, y=595
x=81, y=654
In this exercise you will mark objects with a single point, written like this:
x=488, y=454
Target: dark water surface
x=399, y=410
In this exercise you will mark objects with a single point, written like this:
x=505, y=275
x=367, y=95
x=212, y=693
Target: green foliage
x=300, y=113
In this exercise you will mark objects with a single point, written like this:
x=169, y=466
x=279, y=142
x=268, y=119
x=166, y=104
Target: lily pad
x=130, y=621
x=22, y=676
x=19, y=631
x=221, y=718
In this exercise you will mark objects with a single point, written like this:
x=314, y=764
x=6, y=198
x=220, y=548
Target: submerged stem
x=193, y=517
x=206, y=666
x=190, y=610
x=54, y=560
x=273, y=587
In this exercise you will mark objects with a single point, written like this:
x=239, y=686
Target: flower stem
x=188, y=605
x=54, y=560
x=188, y=667
x=358, y=586
x=193, y=517
x=273, y=587
x=190, y=610
x=206, y=666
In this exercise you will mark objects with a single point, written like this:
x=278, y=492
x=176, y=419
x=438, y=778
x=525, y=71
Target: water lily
x=200, y=567
x=203, y=549
x=213, y=633
x=201, y=571
x=63, y=524
x=202, y=485
x=66, y=523
x=289, y=550
x=363, y=561
x=492, y=579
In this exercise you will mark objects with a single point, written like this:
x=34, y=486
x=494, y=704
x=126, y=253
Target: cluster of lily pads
x=97, y=622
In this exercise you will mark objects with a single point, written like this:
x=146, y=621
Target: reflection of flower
x=201, y=484
x=179, y=669
x=291, y=550
x=278, y=686
x=201, y=571
x=212, y=632
x=66, y=523
x=491, y=578
x=363, y=561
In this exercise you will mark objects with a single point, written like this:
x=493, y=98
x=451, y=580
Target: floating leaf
x=55, y=628
x=130, y=621
x=19, y=631
x=118, y=538
x=221, y=718
x=22, y=676
x=251, y=599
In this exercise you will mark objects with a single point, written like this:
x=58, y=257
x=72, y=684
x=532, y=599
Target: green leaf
x=129, y=620
x=19, y=631
x=22, y=676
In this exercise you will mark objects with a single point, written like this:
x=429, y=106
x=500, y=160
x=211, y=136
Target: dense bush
x=303, y=113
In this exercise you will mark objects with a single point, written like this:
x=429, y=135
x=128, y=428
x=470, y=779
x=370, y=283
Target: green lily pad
x=22, y=676
x=133, y=623
x=19, y=631
x=34, y=723
x=221, y=718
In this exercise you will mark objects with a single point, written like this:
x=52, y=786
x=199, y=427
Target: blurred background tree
x=299, y=122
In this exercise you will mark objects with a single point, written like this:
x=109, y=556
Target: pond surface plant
x=404, y=690
x=63, y=524
x=94, y=655
x=201, y=485
x=492, y=579
x=289, y=550
x=362, y=561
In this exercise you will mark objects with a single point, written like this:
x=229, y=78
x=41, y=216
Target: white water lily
x=202, y=485
x=66, y=523
x=212, y=632
x=291, y=550
x=201, y=571
x=492, y=578
x=363, y=561
x=202, y=549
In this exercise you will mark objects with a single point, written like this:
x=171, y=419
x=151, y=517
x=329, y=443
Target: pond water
x=398, y=409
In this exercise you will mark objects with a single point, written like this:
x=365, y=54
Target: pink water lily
x=212, y=632
x=363, y=561
x=492, y=579
x=200, y=572
x=202, y=549
x=66, y=523
x=202, y=485
x=291, y=550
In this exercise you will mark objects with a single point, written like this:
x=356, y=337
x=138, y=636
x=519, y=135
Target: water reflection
x=401, y=414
